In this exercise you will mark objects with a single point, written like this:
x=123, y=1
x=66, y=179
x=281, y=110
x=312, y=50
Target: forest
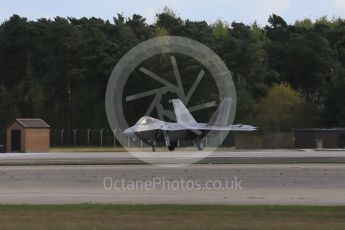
x=286, y=75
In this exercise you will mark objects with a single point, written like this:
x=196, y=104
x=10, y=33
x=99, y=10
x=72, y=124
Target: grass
x=87, y=216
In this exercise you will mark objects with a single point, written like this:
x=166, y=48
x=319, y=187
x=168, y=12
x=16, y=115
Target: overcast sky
x=246, y=11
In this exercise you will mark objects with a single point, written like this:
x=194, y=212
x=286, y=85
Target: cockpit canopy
x=145, y=121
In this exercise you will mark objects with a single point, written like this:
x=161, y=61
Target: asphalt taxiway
x=307, y=184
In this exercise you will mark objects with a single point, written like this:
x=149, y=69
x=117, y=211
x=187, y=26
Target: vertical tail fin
x=182, y=113
x=220, y=117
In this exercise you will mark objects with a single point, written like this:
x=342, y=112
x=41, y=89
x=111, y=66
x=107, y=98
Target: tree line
x=286, y=75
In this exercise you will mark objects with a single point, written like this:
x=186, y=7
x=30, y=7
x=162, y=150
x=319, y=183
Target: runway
x=307, y=184
x=177, y=157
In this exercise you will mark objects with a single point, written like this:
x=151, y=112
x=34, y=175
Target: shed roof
x=32, y=123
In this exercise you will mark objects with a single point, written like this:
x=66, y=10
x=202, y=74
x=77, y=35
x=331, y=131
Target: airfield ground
x=285, y=189
x=270, y=184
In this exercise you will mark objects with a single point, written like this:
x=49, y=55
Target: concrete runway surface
x=177, y=157
x=307, y=184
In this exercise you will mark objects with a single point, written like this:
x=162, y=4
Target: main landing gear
x=173, y=145
x=198, y=144
x=154, y=147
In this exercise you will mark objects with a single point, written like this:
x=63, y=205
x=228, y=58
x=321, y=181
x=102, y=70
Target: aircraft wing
x=203, y=126
x=173, y=127
x=196, y=128
x=232, y=128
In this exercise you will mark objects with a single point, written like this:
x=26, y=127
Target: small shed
x=28, y=135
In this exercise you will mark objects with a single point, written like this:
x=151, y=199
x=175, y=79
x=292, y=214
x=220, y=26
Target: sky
x=246, y=11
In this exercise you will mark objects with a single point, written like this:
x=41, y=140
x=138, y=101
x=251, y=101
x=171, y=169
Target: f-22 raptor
x=151, y=130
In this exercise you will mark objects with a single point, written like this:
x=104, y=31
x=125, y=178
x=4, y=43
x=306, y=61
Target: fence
x=106, y=138
x=257, y=140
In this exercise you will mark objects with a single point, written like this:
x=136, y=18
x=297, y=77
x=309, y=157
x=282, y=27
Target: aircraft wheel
x=171, y=148
x=200, y=146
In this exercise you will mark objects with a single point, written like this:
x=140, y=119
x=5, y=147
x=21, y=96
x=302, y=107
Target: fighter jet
x=151, y=130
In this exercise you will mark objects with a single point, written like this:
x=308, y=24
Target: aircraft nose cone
x=129, y=132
